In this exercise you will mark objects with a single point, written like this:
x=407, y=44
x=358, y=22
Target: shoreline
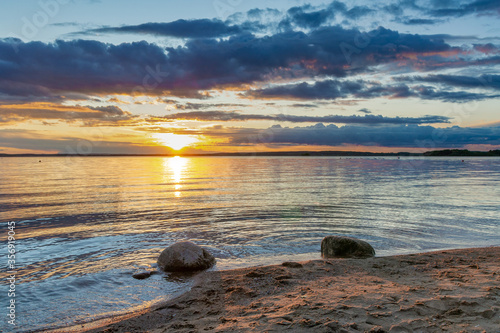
x=433, y=291
x=342, y=153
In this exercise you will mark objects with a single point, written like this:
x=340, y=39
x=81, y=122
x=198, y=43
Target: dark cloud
x=444, y=8
x=304, y=106
x=265, y=46
x=459, y=9
x=15, y=91
x=19, y=92
x=92, y=67
x=303, y=17
x=358, y=12
x=256, y=20
x=258, y=13
x=201, y=28
x=204, y=106
x=109, y=110
x=442, y=62
x=309, y=17
x=328, y=89
x=335, y=89
x=485, y=81
x=487, y=48
x=80, y=66
x=50, y=72
x=412, y=136
x=354, y=119
x=215, y=116
x=430, y=93
x=419, y=21
x=398, y=8
x=375, y=90
x=65, y=24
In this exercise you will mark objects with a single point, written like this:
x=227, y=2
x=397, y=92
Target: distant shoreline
x=445, y=153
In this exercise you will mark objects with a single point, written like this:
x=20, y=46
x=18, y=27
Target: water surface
x=84, y=225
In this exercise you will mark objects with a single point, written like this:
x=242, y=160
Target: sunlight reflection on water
x=85, y=225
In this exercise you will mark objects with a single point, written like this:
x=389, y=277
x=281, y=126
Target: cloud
x=412, y=136
x=201, y=28
x=328, y=89
x=202, y=106
x=109, y=110
x=485, y=81
x=458, y=9
x=66, y=24
x=310, y=17
x=304, y=106
x=92, y=67
x=19, y=92
x=259, y=13
x=88, y=115
x=62, y=70
x=299, y=55
x=80, y=66
x=22, y=139
x=357, y=12
x=430, y=93
x=444, y=9
x=301, y=16
x=354, y=119
x=418, y=21
x=487, y=48
x=327, y=51
x=335, y=89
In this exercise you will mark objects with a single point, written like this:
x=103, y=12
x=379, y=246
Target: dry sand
x=453, y=291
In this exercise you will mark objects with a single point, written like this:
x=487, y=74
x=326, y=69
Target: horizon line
x=264, y=153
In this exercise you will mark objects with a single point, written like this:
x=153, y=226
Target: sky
x=200, y=76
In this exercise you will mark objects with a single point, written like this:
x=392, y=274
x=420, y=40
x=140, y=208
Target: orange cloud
x=42, y=111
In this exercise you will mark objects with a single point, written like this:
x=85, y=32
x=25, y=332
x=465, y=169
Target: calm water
x=85, y=225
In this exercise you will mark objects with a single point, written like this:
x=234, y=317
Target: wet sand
x=454, y=291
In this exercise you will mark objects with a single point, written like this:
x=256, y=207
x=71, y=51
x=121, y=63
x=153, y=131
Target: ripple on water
x=80, y=239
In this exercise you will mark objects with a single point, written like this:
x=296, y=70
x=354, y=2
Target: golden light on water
x=177, y=165
x=175, y=141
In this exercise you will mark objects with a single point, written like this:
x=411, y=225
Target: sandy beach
x=454, y=291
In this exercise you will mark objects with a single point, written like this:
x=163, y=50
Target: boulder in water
x=345, y=247
x=185, y=257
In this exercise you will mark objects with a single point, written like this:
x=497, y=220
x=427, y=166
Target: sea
x=80, y=227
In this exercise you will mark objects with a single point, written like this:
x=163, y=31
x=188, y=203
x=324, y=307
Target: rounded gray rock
x=185, y=256
x=345, y=247
x=142, y=275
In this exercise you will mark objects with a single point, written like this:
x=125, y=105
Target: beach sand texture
x=451, y=291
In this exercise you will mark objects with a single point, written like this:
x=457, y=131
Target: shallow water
x=84, y=225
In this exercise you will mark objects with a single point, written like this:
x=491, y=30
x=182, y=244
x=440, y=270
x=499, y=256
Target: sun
x=175, y=141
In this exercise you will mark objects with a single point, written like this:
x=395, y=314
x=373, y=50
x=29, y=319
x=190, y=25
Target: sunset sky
x=144, y=77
